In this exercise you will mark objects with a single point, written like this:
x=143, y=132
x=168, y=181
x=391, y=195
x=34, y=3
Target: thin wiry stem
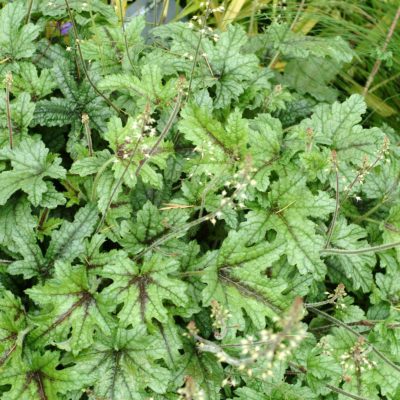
x=28, y=14
x=293, y=24
x=354, y=332
x=8, y=82
x=196, y=55
x=378, y=61
x=165, y=131
x=121, y=178
x=121, y=16
x=363, y=250
x=344, y=393
x=337, y=207
x=78, y=46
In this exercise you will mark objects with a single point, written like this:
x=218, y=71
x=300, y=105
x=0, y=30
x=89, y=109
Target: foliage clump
x=178, y=221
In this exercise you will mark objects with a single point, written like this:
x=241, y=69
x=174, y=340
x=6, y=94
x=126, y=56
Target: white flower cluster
x=190, y=390
x=356, y=359
x=220, y=316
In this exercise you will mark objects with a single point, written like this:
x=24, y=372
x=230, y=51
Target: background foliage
x=185, y=214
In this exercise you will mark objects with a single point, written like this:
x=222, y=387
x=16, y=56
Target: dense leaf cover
x=177, y=221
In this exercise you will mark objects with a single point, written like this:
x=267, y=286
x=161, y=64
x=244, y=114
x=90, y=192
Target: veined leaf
x=16, y=38
x=71, y=309
x=143, y=289
x=124, y=364
x=67, y=242
x=31, y=163
x=235, y=277
x=36, y=376
x=12, y=326
x=356, y=267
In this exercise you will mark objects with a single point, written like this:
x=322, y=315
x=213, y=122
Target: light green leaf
x=67, y=242
x=124, y=363
x=16, y=38
x=29, y=80
x=22, y=109
x=151, y=224
x=235, y=277
x=143, y=289
x=31, y=163
x=357, y=268
x=12, y=326
x=37, y=376
x=71, y=309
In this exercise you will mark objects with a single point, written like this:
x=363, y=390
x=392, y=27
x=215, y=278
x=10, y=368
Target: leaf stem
x=164, y=132
x=337, y=207
x=363, y=250
x=98, y=175
x=344, y=393
x=371, y=211
x=28, y=14
x=8, y=82
x=78, y=46
x=296, y=18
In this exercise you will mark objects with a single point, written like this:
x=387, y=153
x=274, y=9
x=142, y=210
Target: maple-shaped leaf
x=233, y=68
x=31, y=164
x=292, y=205
x=356, y=268
x=13, y=325
x=71, y=310
x=29, y=80
x=105, y=183
x=124, y=141
x=124, y=363
x=313, y=61
x=227, y=69
x=235, y=276
x=218, y=145
x=65, y=245
x=180, y=41
x=382, y=183
x=143, y=289
x=16, y=37
x=151, y=224
x=322, y=369
x=338, y=126
x=39, y=376
x=296, y=45
x=265, y=140
x=148, y=88
x=114, y=49
x=79, y=98
x=67, y=242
